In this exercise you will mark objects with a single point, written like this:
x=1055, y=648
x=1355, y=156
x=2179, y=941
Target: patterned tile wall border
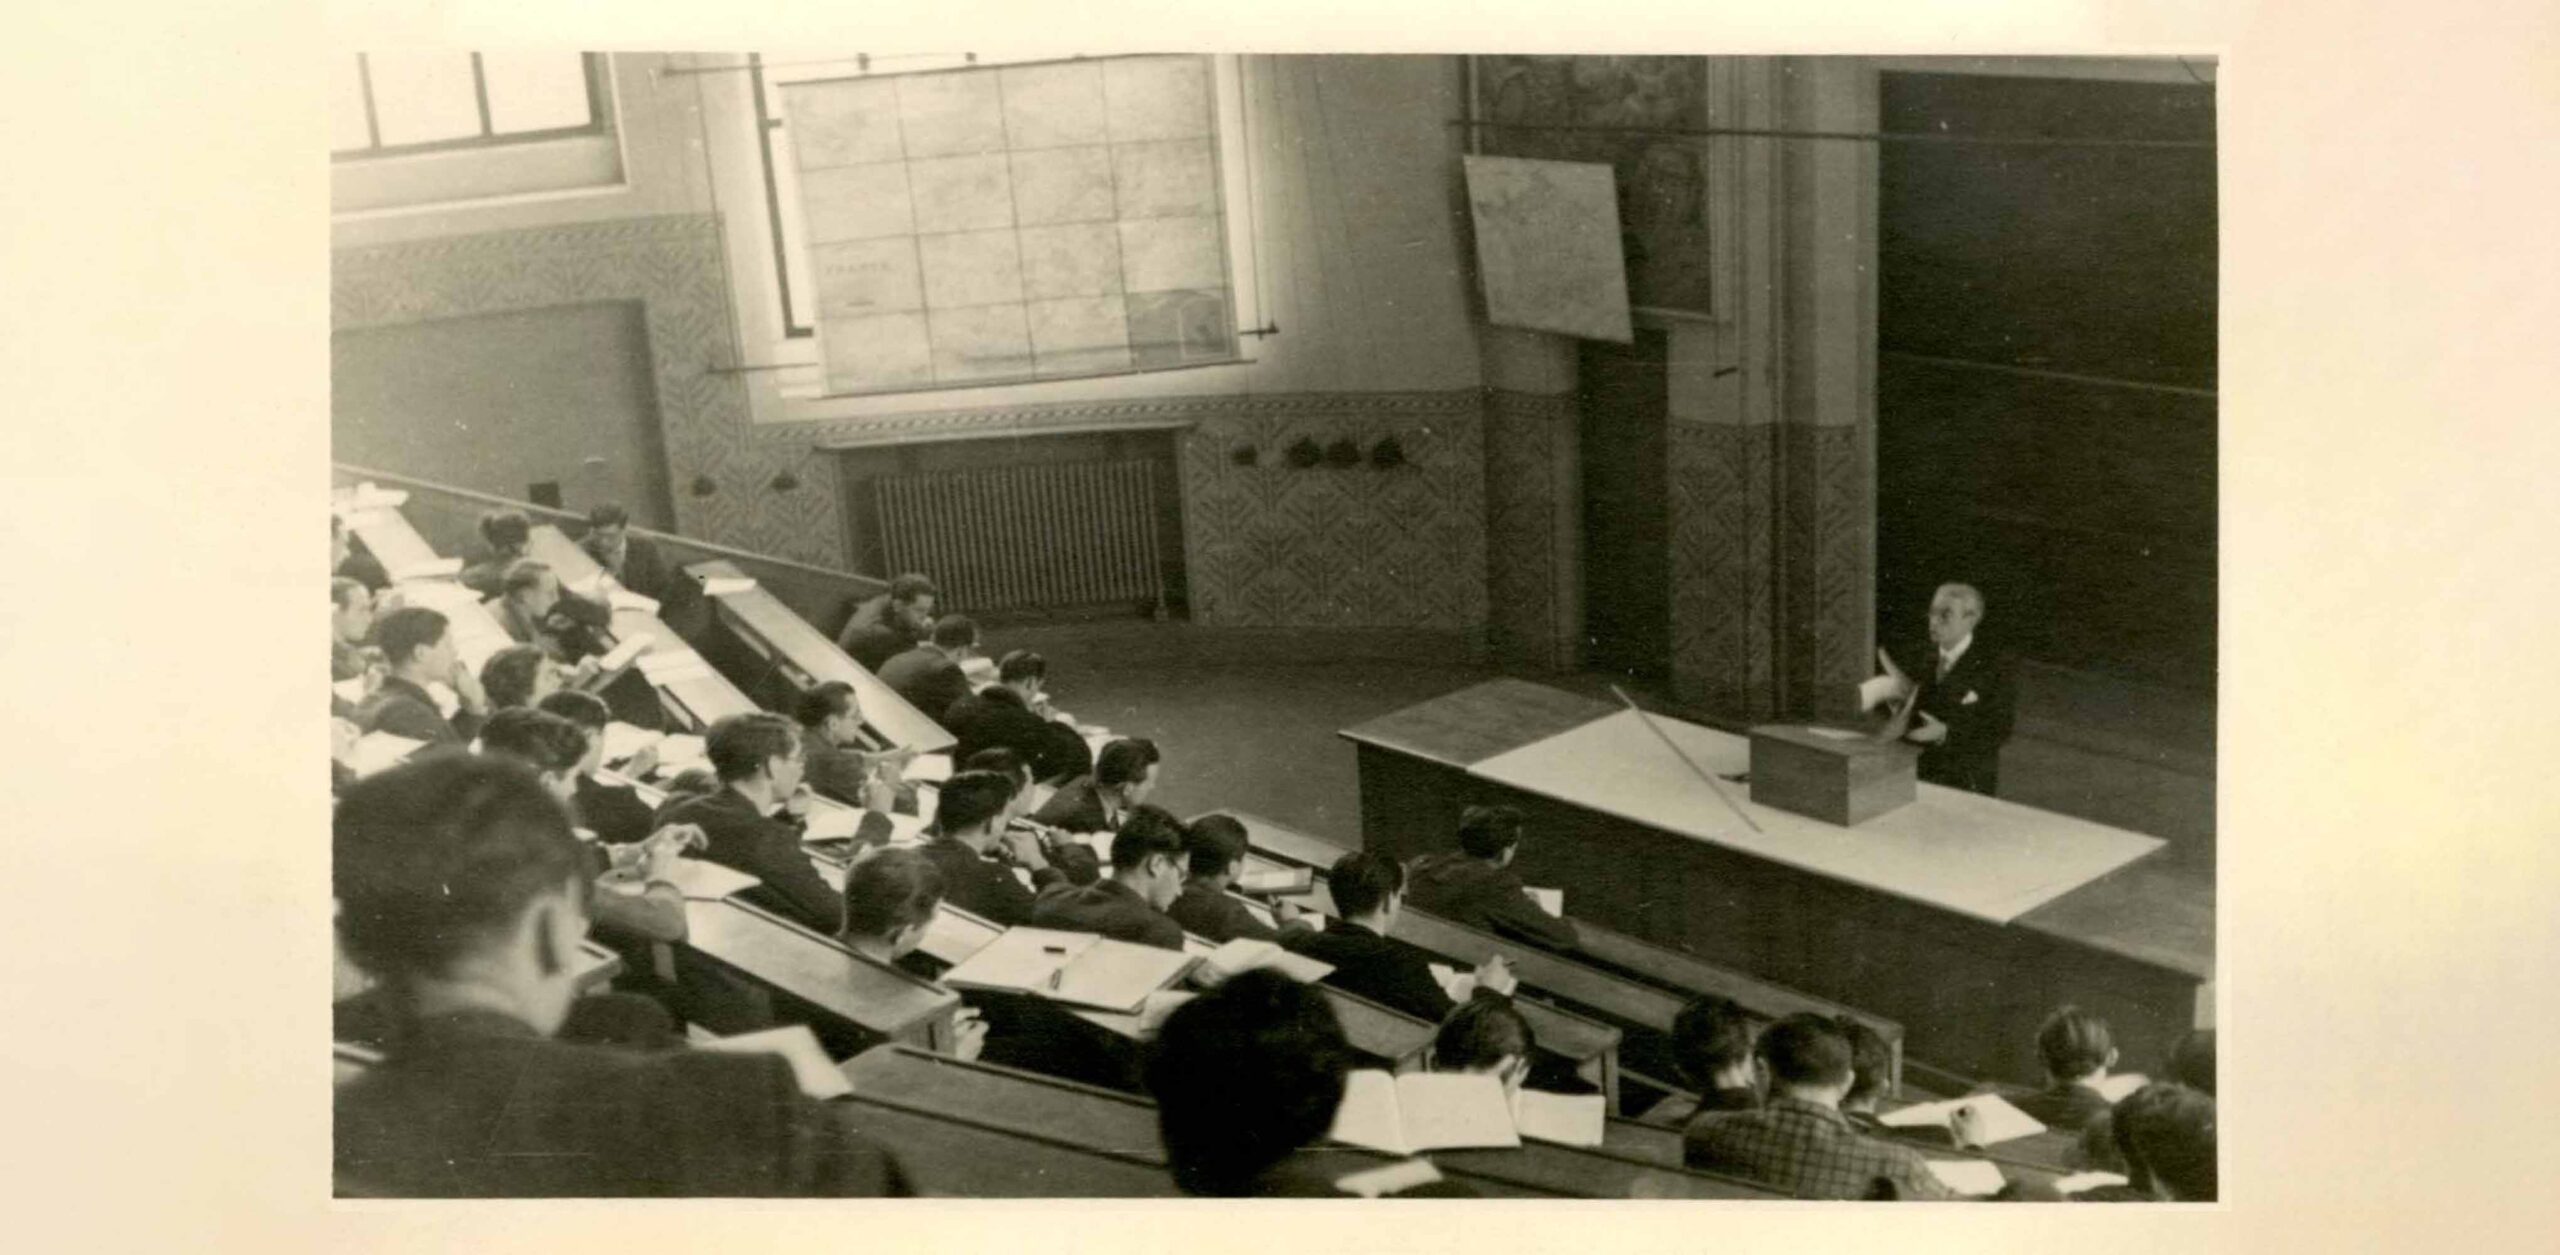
x=1524, y=436
x=1723, y=585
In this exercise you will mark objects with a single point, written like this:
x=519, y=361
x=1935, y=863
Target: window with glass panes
x=391, y=103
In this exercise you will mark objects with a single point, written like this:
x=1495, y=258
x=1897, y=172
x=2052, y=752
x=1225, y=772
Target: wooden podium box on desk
x=1835, y=776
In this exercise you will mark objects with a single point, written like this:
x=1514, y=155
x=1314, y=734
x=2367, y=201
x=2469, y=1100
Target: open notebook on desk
x=2001, y=1121
x=1420, y=1111
x=1080, y=969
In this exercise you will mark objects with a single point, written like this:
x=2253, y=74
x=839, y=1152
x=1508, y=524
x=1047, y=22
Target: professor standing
x=1968, y=700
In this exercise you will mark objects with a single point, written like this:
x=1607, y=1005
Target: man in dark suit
x=1216, y=845
x=1475, y=885
x=535, y=610
x=1968, y=696
x=614, y=812
x=1124, y=775
x=417, y=644
x=631, y=560
x=831, y=729
x=1013, y=714
x=753, y=822
x=507, y=535
x=1127, y=905
x=1368, y=889
x=968, y=830
x=459, y=882
x=929, y=675
x=2078, y=1049
x=1244, y=1077
x=1711, y=1040
x=891, y=623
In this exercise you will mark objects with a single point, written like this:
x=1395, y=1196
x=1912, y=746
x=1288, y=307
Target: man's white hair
x=1963, y=592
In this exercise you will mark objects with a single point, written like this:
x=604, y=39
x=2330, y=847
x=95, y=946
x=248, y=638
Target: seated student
x=967, y=830
x=2190, y=1064
x=1475, y=885
x=1216, y=845
x=534, y=609
x=461, y=887
x=929, y=676
x=635, y=894
x=1368, y=889
x=1711, y=1049
x=1487, y=1036
x=1013, y=713
x=891, y=623
x=753, y=822
x=418, y=648
x=507, y=533
x=830, y=718
x=1871, y=1069
x=695, y=781
x=2077, y=1050
x=1798, y=1141
x=1244, y=1077
x=349, y=558
x=890, y=896
x=1072, y=859
x=519, y=675
x=614, y=812
x=2165, y=1133
x=633, y=562
x=350, y=619
x=1128, y=904
x=1124, y=775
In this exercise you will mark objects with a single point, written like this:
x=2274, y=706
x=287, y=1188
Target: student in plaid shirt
x=1799, y=1141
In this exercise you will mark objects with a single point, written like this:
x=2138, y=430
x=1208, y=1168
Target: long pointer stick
x=1701, y=772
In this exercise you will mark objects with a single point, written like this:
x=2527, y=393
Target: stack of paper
x=1420, y=1111
x=2080, y=1182
x=727, y=586
x=1077, y=968
x=818, y=1075
x=1998, y=1120
x=1973, y=1178
x=378, y=750
x=927, y=769
x=707, y=880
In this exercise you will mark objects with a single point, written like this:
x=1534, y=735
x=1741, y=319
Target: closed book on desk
x=1080, y=969
x=1836, y=776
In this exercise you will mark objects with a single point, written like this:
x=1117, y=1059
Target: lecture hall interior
x=1489, y=625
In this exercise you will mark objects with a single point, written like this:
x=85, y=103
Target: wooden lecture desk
x=780, y=635
x=1966, y=919
x=694, y=687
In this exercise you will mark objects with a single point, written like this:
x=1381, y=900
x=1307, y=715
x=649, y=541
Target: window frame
x=599, y=117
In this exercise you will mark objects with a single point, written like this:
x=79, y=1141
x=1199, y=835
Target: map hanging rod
x=1869, y=137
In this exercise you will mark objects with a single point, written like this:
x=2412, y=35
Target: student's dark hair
x=507, y=531
x=1361, y=881
x=955, y=630
x=405, y=631
x=343, y=590
x=1021, y=664
x=508, y=675
x=1870, y=1060
x=1003, y=762
x=2191, y=1062
x=1216, y=842
x=1486, y=831
x=433, y=857
x=586, y=710
x=1146, y=831
x=608, y=514
x=694, y=781
x=910, y=586
x=1481, y=1032
x=1124, y=761
x=2074, y=1043
x=971, y=798
x=1709, y=1035
x=824, y=702
x=1807, y=1049
x=890, y=889
x=2165, y=1131
x=739, y=745
x=537, y=738
x=523, y=575
x=1242, y=1076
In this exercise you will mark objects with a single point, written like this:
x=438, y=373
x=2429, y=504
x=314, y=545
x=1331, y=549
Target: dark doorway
x=1626, y=540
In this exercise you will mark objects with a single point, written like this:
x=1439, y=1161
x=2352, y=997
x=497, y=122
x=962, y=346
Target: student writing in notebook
x=895, y=621
x=1488, y=1037
x=614, y=812
x=463, y=893
x=1368, y=889
x=1215, y=848
x=967, y=831
x=890, y=896
x=417, y=646
x=1475, y=886
x=1247, y=1076
x=1013, y=713
x=753, y=821
x=637, y=897
x=1128, y=904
